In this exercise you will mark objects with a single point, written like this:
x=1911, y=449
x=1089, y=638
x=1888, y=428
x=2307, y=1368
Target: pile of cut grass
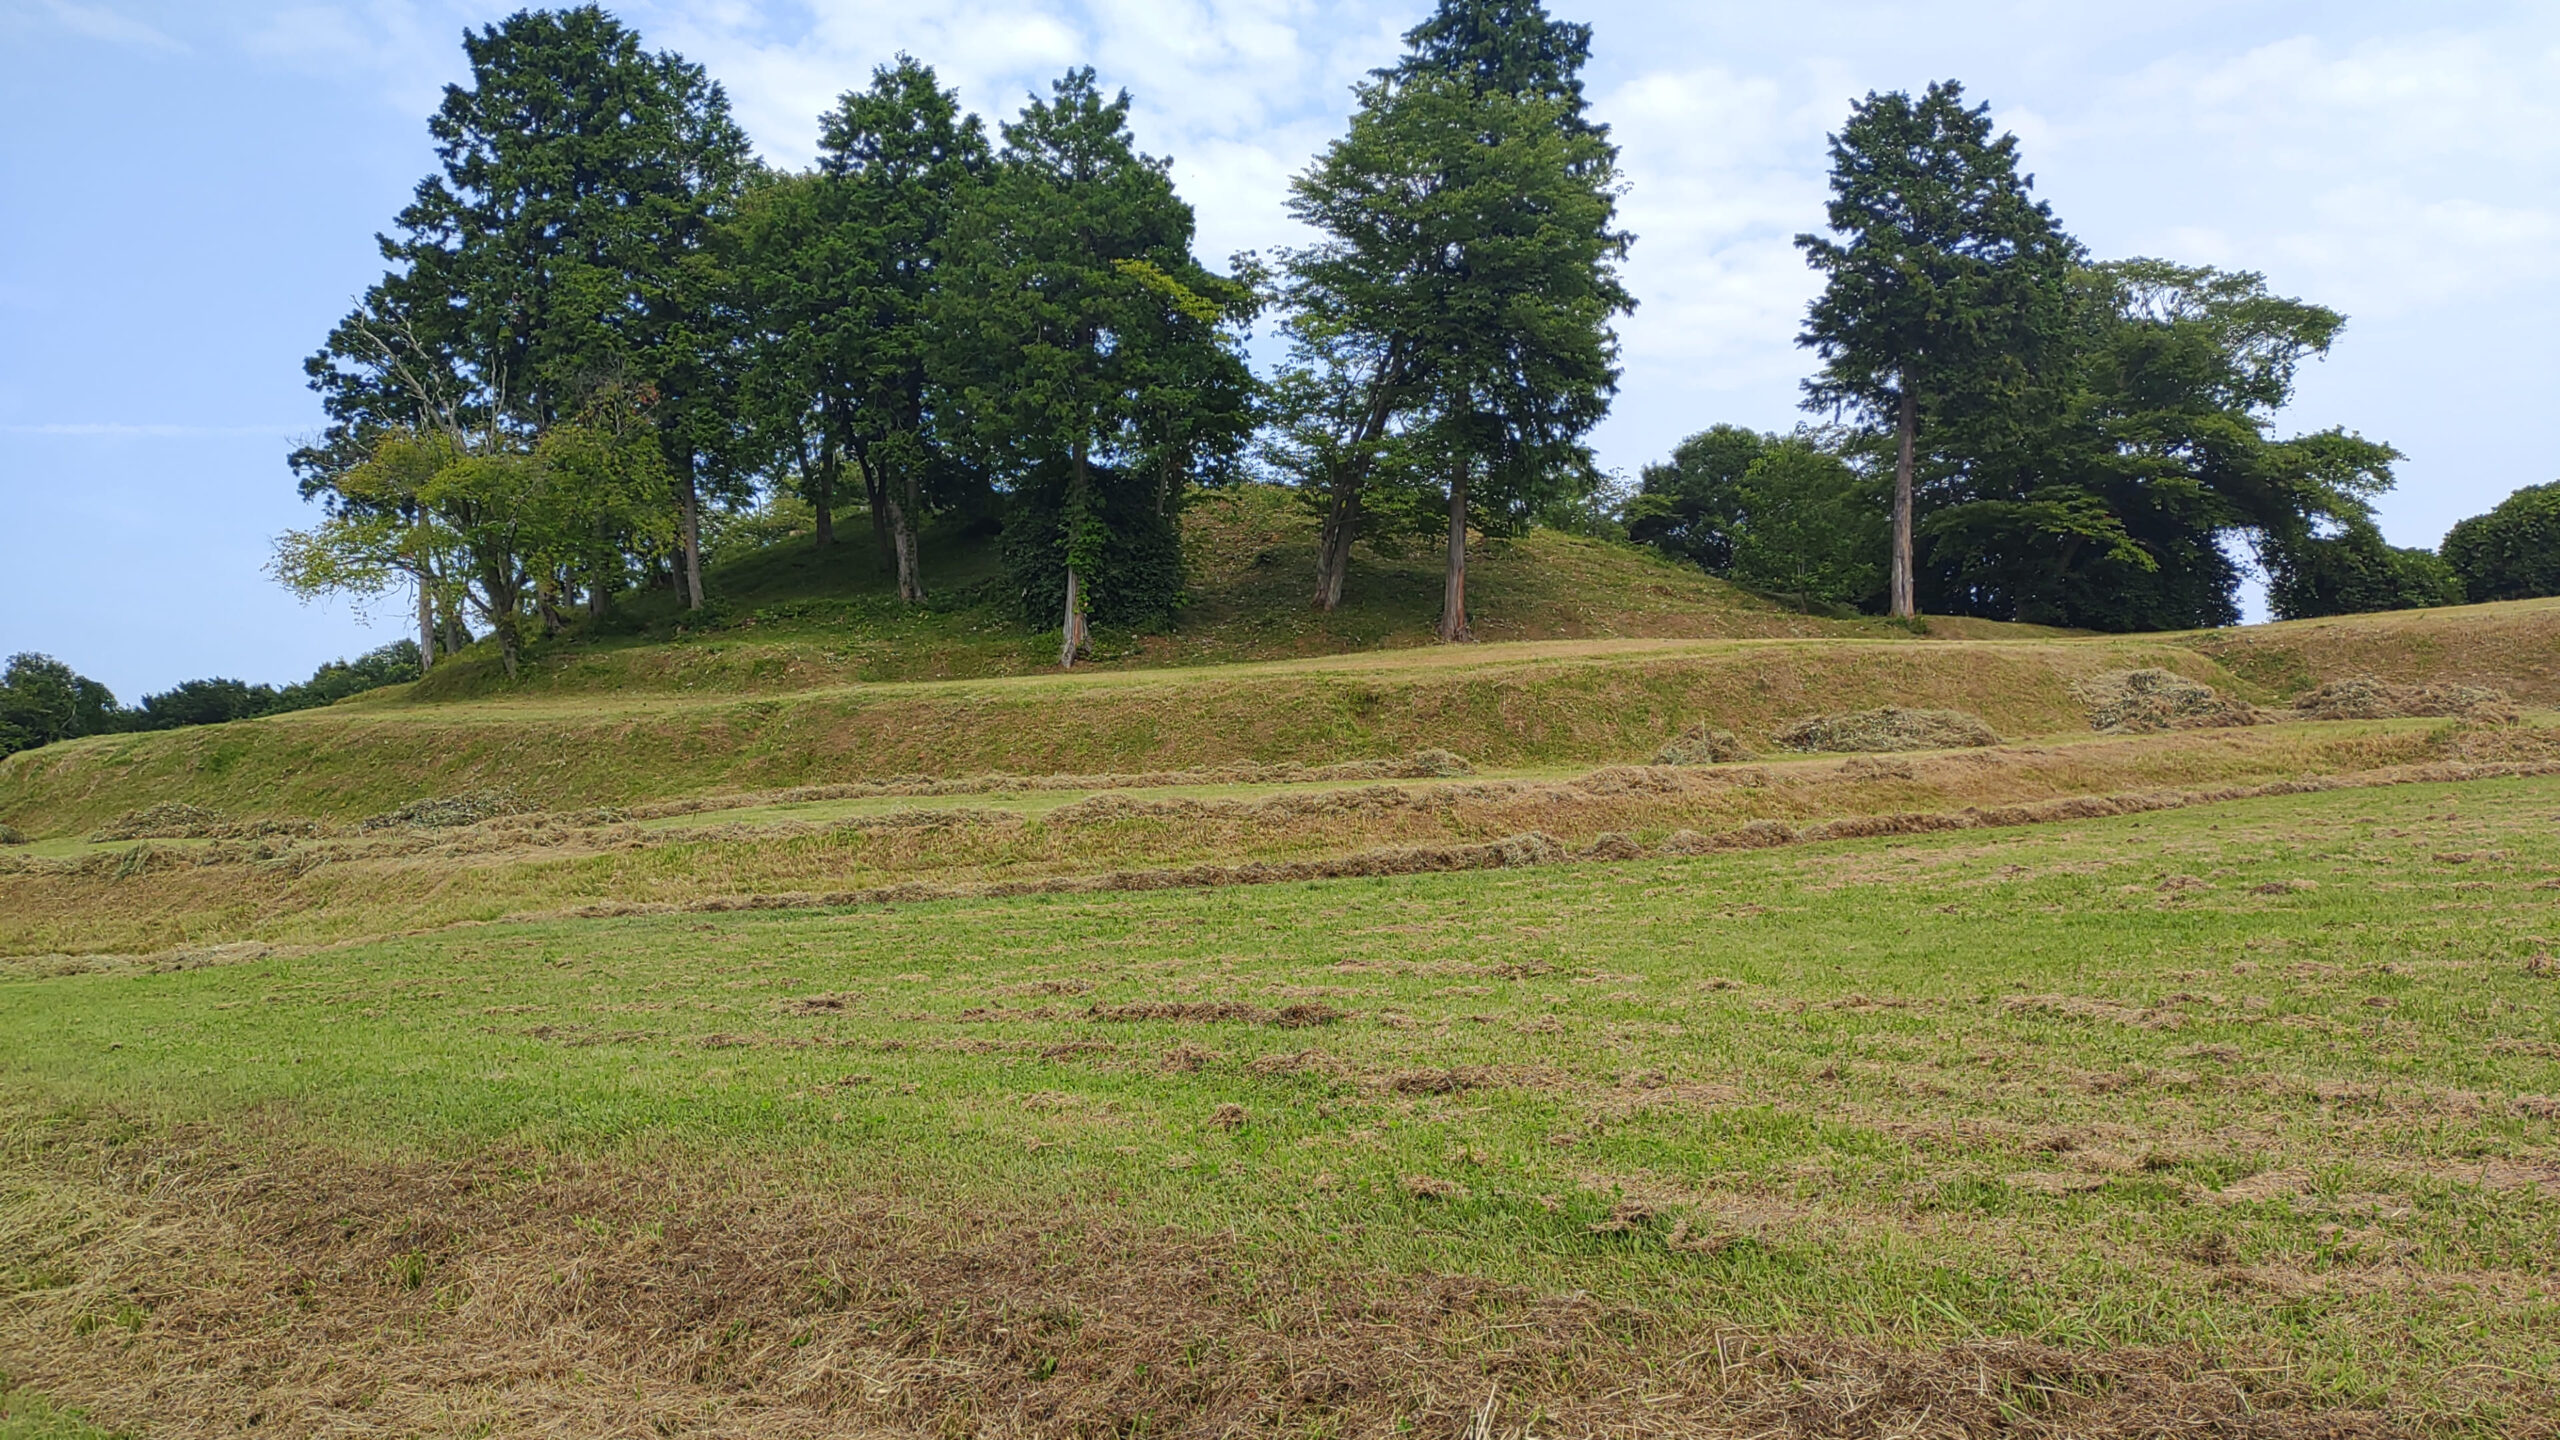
x=2148, y=701
x=2363, y=697
x=1892, y=727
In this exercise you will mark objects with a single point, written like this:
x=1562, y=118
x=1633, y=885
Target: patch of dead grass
x=262, y=1278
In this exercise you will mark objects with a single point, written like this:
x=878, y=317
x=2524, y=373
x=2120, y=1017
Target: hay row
x=1539, y=848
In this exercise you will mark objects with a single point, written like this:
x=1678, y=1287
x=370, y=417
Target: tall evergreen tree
x=1084, y=355
x=1459, y=308
x=840, y=271
x=1947, y=287
x=558, y=251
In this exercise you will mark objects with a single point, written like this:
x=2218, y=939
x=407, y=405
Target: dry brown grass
x=2143, y=702
x=1699, y=745
x=1558, y=704
x=203, y=1287
x=1892, y=727
x=2509, y=646
x=117, y=907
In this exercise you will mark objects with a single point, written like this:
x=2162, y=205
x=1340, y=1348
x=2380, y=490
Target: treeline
x=43, y=700
x=604, y=324
x=603, y=315
x=2036, y=435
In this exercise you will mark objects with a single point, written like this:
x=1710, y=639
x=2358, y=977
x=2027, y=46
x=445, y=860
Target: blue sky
x=188, y=193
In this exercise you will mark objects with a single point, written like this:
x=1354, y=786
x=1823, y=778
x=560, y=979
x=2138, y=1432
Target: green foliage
x=1690, y=505
x=837, y=275
x=2513, y=552
x=1809, y=526
x=2353, y=572
x=556, y=258
x=1947, y=278
x=1070, y=369
x=1787, y=515
x=43, y=700
x=1453, y=326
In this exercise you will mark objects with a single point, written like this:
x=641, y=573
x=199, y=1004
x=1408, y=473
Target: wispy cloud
x=97, y=22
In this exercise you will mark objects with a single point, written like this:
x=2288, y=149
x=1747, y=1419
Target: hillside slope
x=1521, y=705
x=810, y=674
x=794, y=617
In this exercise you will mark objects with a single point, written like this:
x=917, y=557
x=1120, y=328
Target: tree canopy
x=2512, y=552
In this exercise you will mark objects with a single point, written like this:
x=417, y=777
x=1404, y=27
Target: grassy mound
x=795, y=617
x=2512, y=646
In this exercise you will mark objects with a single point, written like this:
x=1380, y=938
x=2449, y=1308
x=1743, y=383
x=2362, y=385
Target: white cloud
x=97, y=22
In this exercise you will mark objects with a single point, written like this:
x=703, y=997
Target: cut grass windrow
x=284, y=890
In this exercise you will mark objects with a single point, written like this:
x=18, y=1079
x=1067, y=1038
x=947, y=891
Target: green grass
x=1503, y=706
x=793, y=616
x=25, y=1415
x=2259, y=1078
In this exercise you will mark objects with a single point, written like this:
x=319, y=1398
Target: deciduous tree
x=1459, y=308
x=2513, y=552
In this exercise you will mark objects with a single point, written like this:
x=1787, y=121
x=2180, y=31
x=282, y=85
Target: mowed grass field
x=806, y=1019
x=2233, y=1119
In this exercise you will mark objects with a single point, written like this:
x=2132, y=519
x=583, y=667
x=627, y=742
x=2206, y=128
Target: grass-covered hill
x=793, y=616
x=808, y=672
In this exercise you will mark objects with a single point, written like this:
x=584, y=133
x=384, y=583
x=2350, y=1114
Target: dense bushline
x=43, y=700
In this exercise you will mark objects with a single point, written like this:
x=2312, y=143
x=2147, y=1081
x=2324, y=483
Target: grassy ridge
x=1504, y=706
x=793, y=617
x=2512, y=646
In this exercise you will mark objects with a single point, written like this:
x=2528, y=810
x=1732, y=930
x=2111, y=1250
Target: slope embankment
x=2512, y=646
x=1523, y=706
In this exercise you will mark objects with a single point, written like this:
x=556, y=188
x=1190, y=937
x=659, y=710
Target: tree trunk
x=1072, y=630
x=1903, y=606
x=426, y=623
x=690, y=499
x=1342, y=518
x=902, y=532
x=1333, y=544
x=877, y=493
x=1072, y=635
x=824, y=501
x=1453, y=593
